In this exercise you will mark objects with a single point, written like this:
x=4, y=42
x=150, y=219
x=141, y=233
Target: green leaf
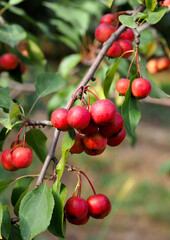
x=151, y=4
x=14, y=110
x=15, y=2
x=154, y=17
x=19, y=191
x=47, y=83
x=1, y=216
x=35, y=52
x=3, y=135
x=156, y=92
x=5, y=183
x=67, y=143
x=57, y=224
x=6, y=222
x=130, y=112
x=15, y=233
x=12, y=34
x=109, y=3
x=35, y=212
x=164, y=168
x=5, y=100
x=128, y=21
x=6, y=122
x=68, y=63
x=37, y=140
x=109, y=76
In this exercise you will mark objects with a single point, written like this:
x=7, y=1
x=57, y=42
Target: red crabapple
x=9, y=61
x=128, y=35
x=103, y=111
x=163, y=63
x=78, y=117
x=114, y=141
x=125, y=46
x=152, y=66
x=114, y=51
x=99, y=206
x=103, y=32
x=122, y=85
x=140, y=88
x=6, y=160
x=78, y=146
x=95, y=141
x=90, y=129
x=59, y=119
x=22, y=157
x=113, y=127
x=109, y=19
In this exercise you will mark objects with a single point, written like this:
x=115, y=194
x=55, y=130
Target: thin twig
x=85, y=80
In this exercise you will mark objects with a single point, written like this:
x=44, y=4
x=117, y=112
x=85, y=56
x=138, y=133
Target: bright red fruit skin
x=103, y=111
x=114, y=141
x=6, y=160
x=78, y=146
x=140, y=88
x=112, y=128
x=125, y=46
x=76, y=208
x=109, y=19
x=78, y=117
x=78, y=221
x=9, y=61
x=103, y=32
x=22, y=157
x=114, y=51
x=93, y=152
x=128, y=35
x=90, y=129
x=122, y=85
x=99, y=206
x=59, y=119
x=95, y=141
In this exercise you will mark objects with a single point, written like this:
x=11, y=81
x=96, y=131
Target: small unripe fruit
x=78, y=117
x=152, y=66
x=103, y=111
x=6, y=160
x=9, y=61
x=76, y=210
x=114, y=141
x=95, y=141
x=122, y=85
x=114, y=51
x=125, y=46
x=103, y=32
x=128, y=35
x=22, y=157
x=99, y=206
x=59, y=119
x=140, y=88
x=78, y=146
x=113, y=127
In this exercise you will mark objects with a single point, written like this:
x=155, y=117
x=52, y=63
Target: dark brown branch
x=14, y=220
x=89, y=75
x=39, y=123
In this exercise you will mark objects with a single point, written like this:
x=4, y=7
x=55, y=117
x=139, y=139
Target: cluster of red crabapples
x=78, y=210
x=155, y=65
x=100, y=126
x=108, y=25
x=18, y=156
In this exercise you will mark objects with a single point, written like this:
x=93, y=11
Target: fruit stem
x=82, y=96
x=88, y=99
x=89, y=182
x=131, y=65
x=19, y=133
x=32, y=107
x=73, y=98
x=98, y=98
x=137, y=62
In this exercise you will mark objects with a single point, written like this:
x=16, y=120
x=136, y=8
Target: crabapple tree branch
x=85, y=80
